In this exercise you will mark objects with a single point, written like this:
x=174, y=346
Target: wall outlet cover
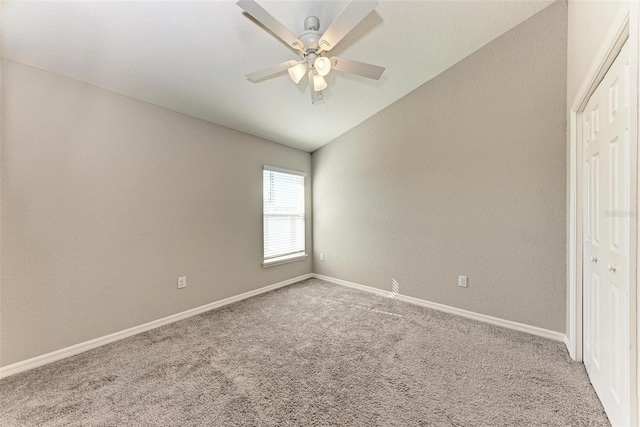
x=462, y=281
x=182, y=282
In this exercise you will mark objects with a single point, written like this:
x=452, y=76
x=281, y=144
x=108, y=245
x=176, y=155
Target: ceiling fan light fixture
x=311, y=45
x=319, y=83
x=322, y=65
x=297, y=72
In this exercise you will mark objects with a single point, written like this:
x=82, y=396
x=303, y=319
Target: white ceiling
x=191, y=56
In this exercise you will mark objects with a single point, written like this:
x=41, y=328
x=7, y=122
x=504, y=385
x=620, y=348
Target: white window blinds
x=283, y=193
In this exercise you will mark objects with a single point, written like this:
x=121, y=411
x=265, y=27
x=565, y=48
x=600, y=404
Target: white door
x=606, y=240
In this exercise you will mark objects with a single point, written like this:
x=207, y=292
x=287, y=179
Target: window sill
x=283, y=260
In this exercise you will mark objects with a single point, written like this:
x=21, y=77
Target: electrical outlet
x=321, y=257
x=182, y=282
x=462, y=281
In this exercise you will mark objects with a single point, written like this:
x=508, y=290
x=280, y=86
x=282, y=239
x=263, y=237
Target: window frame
x=296, y=256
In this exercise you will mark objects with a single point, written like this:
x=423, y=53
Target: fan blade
x=351, y=16
x=266, y=19
x=315, y=96
x=356, y=67
x=271, y=71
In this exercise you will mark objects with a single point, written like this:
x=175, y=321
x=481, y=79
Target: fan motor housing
x=310, y=40
x=311, y=36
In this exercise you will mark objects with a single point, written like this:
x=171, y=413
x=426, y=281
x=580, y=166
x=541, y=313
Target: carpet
x=311, y=354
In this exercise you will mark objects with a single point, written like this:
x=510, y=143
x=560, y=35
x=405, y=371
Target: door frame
x=624, y=28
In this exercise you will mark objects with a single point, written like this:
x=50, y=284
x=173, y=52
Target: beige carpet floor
x=311, y=354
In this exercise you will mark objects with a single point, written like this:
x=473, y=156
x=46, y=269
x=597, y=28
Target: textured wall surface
x=466, y=175
x=107, y=200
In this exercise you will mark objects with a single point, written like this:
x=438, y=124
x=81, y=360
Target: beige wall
x=107, y=200
x=463, y=176
x=588, y=23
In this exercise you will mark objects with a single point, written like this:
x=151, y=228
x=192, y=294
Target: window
x=283, y=217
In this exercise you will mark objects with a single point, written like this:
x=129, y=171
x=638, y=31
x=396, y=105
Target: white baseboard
x=534, y=330
x=45, y=359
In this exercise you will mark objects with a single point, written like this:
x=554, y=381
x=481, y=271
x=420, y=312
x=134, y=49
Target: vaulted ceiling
x=191, y=56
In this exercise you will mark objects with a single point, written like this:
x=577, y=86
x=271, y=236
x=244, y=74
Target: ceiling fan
x=312, y=46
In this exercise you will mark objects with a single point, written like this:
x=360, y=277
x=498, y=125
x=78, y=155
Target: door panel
x=614, y=195
x=615, y=379
x=595, y=199
x=606, y=240
x=595, y=319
